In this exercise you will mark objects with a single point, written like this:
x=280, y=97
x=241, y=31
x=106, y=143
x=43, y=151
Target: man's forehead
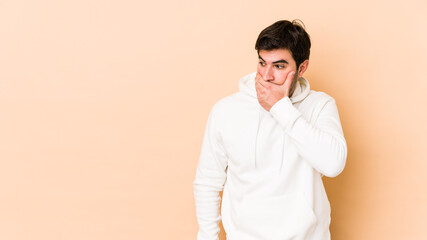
x=275, y=55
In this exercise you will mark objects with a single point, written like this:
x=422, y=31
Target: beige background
x=104, y=104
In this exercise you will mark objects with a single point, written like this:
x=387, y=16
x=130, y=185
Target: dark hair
x=286, y=35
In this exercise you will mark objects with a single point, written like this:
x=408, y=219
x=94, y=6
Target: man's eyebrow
x=279, y=61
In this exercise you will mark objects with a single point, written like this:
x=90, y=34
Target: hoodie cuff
x=285, y=113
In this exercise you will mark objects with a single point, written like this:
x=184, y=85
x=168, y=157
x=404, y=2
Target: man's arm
x=322, y=143
x=209, y=181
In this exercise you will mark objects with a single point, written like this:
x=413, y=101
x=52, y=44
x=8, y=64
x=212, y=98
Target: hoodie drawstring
x=257, y=130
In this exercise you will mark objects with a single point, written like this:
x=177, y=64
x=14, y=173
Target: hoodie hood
x=247, y=86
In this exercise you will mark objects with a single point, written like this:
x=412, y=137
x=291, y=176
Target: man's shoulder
x=227, y=103
x=229, y=99
x=318, y=96
x=314, y=104
x=315, y=101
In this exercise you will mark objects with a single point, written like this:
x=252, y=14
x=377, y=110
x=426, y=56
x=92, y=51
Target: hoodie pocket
x=277, y=218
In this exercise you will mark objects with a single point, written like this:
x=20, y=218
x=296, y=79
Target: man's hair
x=288, y=35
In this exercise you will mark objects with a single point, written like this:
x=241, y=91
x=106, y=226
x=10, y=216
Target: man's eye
x=279, y=66
x=262, y=63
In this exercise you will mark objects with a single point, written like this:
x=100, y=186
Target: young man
x=268, y=146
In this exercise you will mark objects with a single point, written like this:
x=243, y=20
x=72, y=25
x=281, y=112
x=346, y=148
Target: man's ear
x=303, y=67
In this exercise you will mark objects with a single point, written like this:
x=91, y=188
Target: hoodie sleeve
x=321, y=143
x=209, y=181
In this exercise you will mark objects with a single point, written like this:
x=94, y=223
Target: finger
x=258, y=90
x=290, y=76
x=258, y=86
x=260, y=80
x=289, y=79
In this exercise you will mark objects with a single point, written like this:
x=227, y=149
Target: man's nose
x=268, y=74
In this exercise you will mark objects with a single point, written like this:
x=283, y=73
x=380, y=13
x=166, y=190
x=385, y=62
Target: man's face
x=275, y=65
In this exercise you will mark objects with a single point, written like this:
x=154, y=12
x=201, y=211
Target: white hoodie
x=269, y=165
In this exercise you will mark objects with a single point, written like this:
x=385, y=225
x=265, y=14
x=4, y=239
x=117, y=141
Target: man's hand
x=269, y=93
